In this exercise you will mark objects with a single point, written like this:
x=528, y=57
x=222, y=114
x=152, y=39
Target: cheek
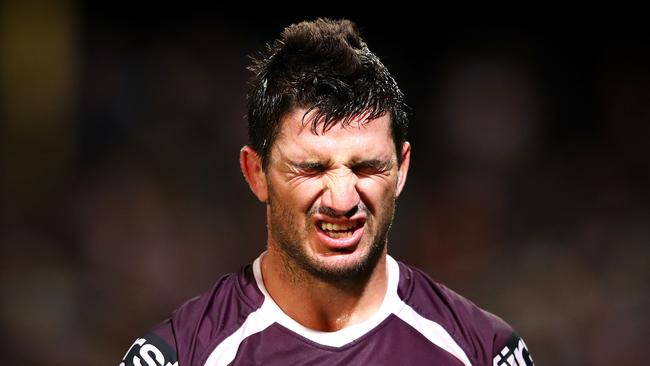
x=376, y=191
x=300, y=196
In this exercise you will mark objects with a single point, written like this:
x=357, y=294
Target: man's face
x=332, y=195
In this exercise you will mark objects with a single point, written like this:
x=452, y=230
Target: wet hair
x=325, y=67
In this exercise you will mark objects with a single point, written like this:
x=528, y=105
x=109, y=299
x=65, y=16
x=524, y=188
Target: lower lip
x=342, y=244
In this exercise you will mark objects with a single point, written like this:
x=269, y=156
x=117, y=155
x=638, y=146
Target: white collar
x=390, y=305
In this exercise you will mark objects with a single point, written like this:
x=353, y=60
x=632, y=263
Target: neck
x=319, y=304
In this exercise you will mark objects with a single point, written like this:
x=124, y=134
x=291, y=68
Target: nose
x=341, y=197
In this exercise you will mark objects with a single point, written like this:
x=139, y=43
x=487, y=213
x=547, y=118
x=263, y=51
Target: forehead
x=361, y=138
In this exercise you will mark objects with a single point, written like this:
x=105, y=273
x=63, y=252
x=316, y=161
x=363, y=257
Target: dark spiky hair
x=325, y=67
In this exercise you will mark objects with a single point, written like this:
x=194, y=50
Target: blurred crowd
x=122, y=196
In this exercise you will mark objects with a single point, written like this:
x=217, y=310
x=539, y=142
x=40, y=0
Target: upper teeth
x=328, y=226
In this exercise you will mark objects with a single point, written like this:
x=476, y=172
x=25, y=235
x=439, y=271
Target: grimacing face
x=331, y=196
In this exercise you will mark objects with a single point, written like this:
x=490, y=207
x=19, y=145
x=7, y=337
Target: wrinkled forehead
x=356, y=136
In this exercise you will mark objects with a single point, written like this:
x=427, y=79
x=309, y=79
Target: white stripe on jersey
x=226, y=351
x=434, y=332
x=271, y=313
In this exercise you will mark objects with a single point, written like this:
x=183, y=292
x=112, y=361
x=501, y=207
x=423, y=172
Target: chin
x=341, y=266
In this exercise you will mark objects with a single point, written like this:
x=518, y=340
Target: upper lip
x=361, y=218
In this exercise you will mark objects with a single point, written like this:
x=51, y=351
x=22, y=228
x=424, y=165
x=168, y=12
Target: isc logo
x=146, y=353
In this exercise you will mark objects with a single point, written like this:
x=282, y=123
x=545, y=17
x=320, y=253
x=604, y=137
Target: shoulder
x=481, y=334
x=231, y=298
x=199, y=324
x=439, y=303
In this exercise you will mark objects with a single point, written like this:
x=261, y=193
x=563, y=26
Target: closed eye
x=370, y=167
x=309, y=168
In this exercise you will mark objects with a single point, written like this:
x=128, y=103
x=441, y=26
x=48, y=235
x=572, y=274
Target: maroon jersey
x=420, y=322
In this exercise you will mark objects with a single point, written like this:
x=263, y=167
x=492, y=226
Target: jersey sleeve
x=490, y=339
x=514, y=352
x=156, y=348
x=508, y=348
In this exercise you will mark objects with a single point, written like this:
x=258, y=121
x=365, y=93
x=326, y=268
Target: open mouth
x=339, y=230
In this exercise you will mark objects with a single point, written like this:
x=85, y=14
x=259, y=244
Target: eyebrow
x=374, y=164
x=309, y=165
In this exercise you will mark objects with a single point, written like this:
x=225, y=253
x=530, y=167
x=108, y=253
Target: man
x=328, y=157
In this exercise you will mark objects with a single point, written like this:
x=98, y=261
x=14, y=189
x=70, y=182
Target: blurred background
x=122, y=197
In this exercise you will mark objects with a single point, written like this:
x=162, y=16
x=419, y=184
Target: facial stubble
x=299, y=266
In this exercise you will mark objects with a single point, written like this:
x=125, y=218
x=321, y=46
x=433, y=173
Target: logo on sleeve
x=150, y=351
x=514, y=353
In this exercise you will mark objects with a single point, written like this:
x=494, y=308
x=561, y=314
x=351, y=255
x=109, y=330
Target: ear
x=404, y=167
x=251, y=165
